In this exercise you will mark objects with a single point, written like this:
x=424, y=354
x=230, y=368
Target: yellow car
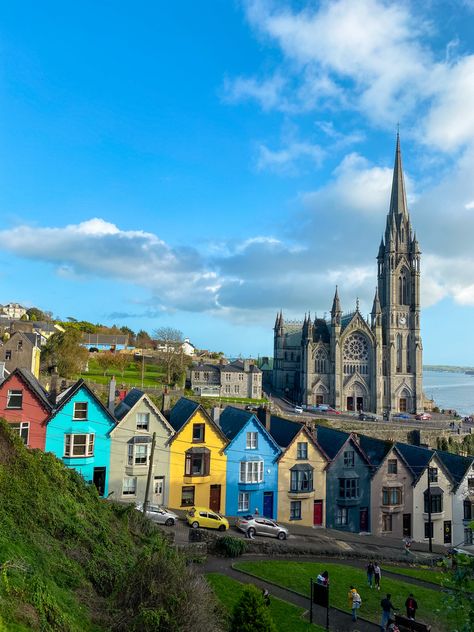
x=204, y=517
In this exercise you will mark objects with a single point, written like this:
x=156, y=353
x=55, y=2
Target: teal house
x=78, y=432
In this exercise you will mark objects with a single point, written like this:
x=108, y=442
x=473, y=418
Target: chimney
x=166, y=402
x=111, y=398
x=215, y=414
x=264, y=416
x=2, y=371
x=247, y=364
x=53, y=386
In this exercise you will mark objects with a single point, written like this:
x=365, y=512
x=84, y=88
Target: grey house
x=239, y=379
x=348, y=479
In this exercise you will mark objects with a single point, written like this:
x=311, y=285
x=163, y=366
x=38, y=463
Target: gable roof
x=132, y=399
x=416, y=457
x=233, y=420
x=332, y=441
x=304, y=429
x=69, y=393
x=456, y=465
x=33, y=384
x=283, y=430
x=375, y=449
x=182, y=412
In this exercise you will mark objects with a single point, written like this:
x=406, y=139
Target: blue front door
x=268, y=504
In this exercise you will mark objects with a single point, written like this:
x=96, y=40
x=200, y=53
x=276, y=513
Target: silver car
x=259, y=525
x=160, y=515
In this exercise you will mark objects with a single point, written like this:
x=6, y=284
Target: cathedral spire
x=398, y=199
x=376, y=308
x=336, y=305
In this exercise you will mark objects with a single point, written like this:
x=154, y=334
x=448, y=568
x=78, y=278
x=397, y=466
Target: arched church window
x=320, y=361
x=399, y=353
x=402, y=233
x=408, y=355
x=403, y=289
x=356, y=354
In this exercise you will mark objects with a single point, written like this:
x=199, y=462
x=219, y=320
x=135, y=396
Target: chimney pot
x=111, y=398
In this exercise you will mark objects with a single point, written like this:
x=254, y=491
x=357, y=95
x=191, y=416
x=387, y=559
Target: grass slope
x=153, y=375
x=71, y=562
x=287, y=617
x=297, y=575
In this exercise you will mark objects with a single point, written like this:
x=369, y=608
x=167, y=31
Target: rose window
x=356, y=348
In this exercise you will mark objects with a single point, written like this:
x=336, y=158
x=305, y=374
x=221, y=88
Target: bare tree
x=105, y=360
x=121, y=361
x=170, y=349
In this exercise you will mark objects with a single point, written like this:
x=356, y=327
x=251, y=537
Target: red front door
x=215, y=498
x=318, y=513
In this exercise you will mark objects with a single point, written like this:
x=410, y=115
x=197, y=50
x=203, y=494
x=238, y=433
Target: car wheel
x=221, y=527
x=169, y=522
x=251, y=532
x=281, y=535
x=195, y=525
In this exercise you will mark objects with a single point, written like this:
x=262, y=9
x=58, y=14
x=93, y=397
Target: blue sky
x=202, y=165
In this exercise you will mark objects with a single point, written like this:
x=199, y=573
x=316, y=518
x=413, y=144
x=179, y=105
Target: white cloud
x=469, y=205
x=284, y=160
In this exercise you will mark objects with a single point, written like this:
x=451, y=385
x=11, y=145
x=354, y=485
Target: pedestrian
x=323, y=578
x=266, y=596
x=411, y=606
x=257, y=513
x=392, y=626
x=407, y=542
x=377, y=575
x=387, y=607
x=356, y=604
x=350, y=594
x=370, y=573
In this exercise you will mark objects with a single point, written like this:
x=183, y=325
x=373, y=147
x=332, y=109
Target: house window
x=470, y=484
x=80, y=410
x=228, y=377
x=251, y=472
x=15, y=399
x=295, y=510
x=349, y=458
x=198, y=433
x=206, y=376
x=236, y=389
x=243, y=503
x=143, y=421
x=197, y=462
x=137, y=453
x=129, y=486
x=428, y=529
x=433, y=474
x=386, y=522
x=302, y=450
x=467, y=510
x=348, y=488
x=341, y=516
x=241, y=377
x=436, y=503
x=8, y=355
x=22, y=429
x=252, y=440
x=77, y=445
x=392, y=466
x=301, y=480
x=196, y=375
x=392, y=496
x=468, y=538
x=227, y=388
x=187, y=496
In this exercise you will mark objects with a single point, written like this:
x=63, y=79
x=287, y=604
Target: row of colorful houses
x=238, y=462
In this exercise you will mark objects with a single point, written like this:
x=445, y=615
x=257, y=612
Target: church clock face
x=403, y=320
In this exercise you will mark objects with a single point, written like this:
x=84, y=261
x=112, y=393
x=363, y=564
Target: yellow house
x=302, y=481
x=197, y=460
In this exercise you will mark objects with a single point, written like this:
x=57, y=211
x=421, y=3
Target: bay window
x=77, y=445
x=251, y=472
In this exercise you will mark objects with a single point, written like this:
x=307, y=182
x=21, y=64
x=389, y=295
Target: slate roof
x=181, y=412
x=320, y=330
x=284, y=430
x=346, y=319
x=456, y=464
x=375, y=449
x=66, y=395
x=104, y=339
x=34, y=385
x=232, y=420
x=128, y=403
x=416, y=457
x=331, y=440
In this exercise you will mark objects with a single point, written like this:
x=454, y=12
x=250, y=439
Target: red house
x=25, y=405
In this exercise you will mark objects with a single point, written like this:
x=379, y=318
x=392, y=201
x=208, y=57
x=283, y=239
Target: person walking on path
x=377, y=575
x=387, y=607
x=356, y=604
x=350, y=596
x=411, y=606
x=323, y=578
x=407, y=543
x=370, y=573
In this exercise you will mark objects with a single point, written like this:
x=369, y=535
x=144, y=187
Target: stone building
x=351, y=363
x=241, y=379
x=21, y=351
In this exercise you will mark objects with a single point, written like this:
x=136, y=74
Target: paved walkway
x=338, y=621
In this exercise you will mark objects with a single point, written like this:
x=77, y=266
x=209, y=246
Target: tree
x=106, y=360
x=65, y=352
x=143, y=340
x=121, y=361
x=36, y=314
x=459, y=602
x=251, y=614
x=170, y=350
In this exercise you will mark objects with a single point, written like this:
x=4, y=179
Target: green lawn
x=132, y=375
x=426, y=574
x=287, y=617
x=296, y=575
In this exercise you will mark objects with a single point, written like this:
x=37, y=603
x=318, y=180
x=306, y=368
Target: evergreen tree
x=251, y=613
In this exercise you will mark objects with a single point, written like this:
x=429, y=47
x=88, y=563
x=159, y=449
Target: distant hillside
x=447, y=368
x=70, y=562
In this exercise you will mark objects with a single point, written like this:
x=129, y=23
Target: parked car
x=333, y=411
x=251, y=407
x=423, y=417
x=321, y=408
x=367, y=417
x=203, y=517
x=298, y=409
x=160, y=515
x=259, y=525
x=401, y=416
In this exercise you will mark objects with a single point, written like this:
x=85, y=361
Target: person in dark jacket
x=370, y=573
x=411, y=606
x=387, y=608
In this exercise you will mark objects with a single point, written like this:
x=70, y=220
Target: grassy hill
x=71, y=562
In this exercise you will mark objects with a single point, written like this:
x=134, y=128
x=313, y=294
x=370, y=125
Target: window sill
x=348, y=502
x=14, y=408
x=75, y=457
x=295, y=519
x=196, y=479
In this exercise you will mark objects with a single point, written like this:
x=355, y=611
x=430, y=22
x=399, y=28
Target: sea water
x=450, y=390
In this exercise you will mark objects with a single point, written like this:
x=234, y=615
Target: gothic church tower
x=399, y=295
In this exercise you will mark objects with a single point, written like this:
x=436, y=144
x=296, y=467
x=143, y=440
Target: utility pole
x=143, y=365
x=430, y=528
x=150, y=468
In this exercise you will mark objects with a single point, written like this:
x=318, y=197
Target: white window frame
x=132, y=454
x=252, y=440
x=129, y=490
x=15, y=392
x=251, y=472
x=243, y=501
x=18, y=427
x=69, y=445
x=75, y=411
x=140, y=424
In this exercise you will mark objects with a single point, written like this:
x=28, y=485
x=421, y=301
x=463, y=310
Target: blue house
x=78, y=433
x=348, y=480
x=252, y=471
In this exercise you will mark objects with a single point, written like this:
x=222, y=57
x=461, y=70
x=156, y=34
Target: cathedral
x=352, y=363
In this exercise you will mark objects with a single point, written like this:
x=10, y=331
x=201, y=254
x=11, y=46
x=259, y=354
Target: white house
x=462, y=471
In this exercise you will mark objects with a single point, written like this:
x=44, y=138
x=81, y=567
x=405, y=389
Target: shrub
x=229, y=546
x=251, y=614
